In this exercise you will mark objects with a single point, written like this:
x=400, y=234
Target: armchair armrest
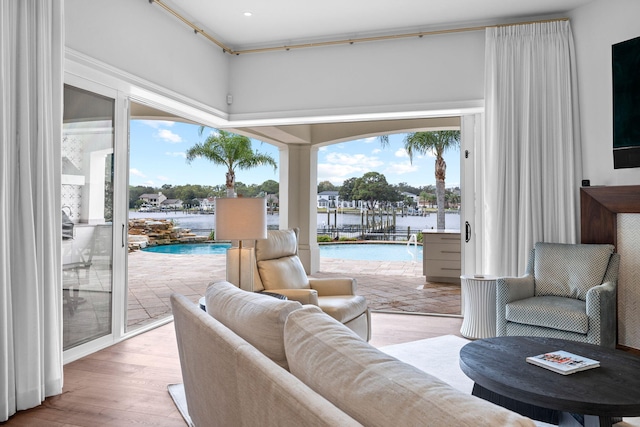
x=601, y=311
x=515, y=288
x=511, y=289
x=303, y=296
x=333, y=286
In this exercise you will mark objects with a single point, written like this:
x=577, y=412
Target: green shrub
x=212, y=235
x=323, y=238
x=347, y=239
x=419, y=237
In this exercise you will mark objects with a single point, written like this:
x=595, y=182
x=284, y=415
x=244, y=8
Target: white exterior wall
x=596, y=27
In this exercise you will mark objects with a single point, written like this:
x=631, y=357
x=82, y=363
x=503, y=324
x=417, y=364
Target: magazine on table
x=563, y=362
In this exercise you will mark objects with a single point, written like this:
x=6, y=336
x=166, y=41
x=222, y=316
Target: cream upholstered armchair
x=279, y=270
x=568, y=292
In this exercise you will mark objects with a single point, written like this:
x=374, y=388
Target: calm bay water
x=201, y=224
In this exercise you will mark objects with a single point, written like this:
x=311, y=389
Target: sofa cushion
x=569, y=270
x=259, y=319
x=565, y=314
x=373, y=387
x=287, y=272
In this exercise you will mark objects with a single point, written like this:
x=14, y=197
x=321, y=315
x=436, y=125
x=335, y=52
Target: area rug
x=177, y=394
x=437, y=356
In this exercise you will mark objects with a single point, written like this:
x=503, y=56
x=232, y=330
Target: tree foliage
x=346, y=191
x=437, y=143
x=230, y=150
x=326, y=186
x=270, y=187
x=373, y=188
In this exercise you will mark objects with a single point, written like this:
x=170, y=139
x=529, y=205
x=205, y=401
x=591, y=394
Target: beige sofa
x=255, y=360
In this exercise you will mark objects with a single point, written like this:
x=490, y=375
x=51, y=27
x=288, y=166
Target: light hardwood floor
x=126, y=384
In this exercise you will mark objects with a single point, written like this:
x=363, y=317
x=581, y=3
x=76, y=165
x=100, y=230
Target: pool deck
x=389, y=286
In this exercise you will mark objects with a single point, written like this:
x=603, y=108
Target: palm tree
x=231, y=150
x=436, y=142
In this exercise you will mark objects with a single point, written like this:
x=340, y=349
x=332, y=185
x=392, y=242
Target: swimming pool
x=190, y=249
x=372, y=252
x=362, y=251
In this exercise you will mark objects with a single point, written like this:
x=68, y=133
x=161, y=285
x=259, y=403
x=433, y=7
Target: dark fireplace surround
x=599, y=209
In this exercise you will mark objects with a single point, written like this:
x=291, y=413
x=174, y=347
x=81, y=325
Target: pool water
x=372, y=252
x=362, y=252
x=191, y=249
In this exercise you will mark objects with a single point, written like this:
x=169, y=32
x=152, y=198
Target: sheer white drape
x=31, y=72
x=532, y=158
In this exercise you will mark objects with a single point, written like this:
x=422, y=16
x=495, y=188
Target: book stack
x=563, y=362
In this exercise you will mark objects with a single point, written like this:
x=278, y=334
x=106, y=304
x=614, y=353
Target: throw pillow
x=258, y=319
x=569, y=270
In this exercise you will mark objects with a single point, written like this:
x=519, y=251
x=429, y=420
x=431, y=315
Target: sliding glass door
x=87, y=206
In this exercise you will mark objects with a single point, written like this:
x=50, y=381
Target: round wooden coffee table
x=596, y=397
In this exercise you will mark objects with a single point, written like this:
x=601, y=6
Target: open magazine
x=563, y=362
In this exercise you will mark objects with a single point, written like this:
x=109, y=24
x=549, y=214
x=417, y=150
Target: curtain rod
x=230, y=51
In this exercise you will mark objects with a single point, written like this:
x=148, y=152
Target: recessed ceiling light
x=248, y=14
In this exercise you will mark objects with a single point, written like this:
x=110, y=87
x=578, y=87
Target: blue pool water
x=363, y=252
x=372, y=252
x=191, y=249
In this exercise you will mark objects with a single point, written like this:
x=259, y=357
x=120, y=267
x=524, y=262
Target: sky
x=157, y=157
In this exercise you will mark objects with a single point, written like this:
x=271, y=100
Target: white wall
x=433, y=71
x=363, y=77
x=596, y=27
x=144, y=40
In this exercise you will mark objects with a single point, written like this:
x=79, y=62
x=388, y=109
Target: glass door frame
x=82, y=73
x=118, y=301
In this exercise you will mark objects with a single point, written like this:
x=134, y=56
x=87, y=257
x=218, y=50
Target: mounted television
x=626, y=104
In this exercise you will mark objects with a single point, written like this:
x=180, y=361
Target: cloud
x=360, y=161
x=376, y=151
x=149, y=183
x=370, y=140
x=163, y=178
x=176, y=154
x=340, y=166
x=169, y=136
x=157, y=123
x=401, y=152
x=136, y=172
x=401, y=168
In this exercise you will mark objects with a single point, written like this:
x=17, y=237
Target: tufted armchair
x=279, y=270
x=568, y=292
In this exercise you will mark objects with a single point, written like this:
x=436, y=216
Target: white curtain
x=31, y=72
x=532, y=157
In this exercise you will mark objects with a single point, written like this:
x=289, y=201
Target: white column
x=298, y=199
x=93, y=191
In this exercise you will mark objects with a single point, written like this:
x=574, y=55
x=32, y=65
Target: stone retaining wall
x=150, y=232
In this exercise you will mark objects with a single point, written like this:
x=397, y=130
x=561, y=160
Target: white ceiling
x=287, y=22
x=277, y=23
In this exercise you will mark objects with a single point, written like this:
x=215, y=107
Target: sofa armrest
x=511, y=289
x=303, y=296
x=601, y=311
x=333, y=286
